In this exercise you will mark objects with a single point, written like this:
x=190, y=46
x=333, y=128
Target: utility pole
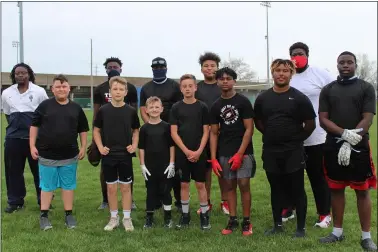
x=91, y=76
x=267, y=6
x=96, y=70
x=16, y=44
x=21, y=24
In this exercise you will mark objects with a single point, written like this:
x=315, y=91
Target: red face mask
x=300, y=61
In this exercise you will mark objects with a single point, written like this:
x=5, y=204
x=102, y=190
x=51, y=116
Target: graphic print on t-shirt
x=108, y=97
x=229, y=114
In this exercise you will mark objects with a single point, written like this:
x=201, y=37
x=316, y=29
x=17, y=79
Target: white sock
x=126, y=214
x=204, y=207
x=113, y=214
x=366, y=235
x=337, y=231
x=185, y=206
x=167, y=208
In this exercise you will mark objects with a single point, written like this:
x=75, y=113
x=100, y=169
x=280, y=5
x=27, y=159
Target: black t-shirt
x=230, y=113
x=283, y=115
x=168, y=92
x=190, y=119
x=345, y=104
x=116, y=124
x=59, y=126
x=101, y=94
x=208, y=93
x=156, y=140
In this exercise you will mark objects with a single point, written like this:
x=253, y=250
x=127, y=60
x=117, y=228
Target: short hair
x=299, y=45
x=226, y=70
x=119, y=80
x=153, y=99
x=113, y=59
x=209, y=56
x=28, y=68
x=188, y=77
x=61, y=78
x=287, y=63
x=348, y=53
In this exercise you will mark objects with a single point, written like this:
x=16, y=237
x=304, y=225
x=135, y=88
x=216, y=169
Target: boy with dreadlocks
x=231, y=118
x=19, y=102
x=285, y=117
x=346, y=110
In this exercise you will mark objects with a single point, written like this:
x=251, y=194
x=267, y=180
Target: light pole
x=91, y=75
x=267, y=6
x=21, y=39
x=16, y=44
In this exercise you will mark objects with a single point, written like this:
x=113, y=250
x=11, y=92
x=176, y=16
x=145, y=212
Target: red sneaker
x=224, y=207
x=232, y=225
x=247, y=229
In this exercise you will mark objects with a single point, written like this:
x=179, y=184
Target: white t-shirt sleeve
x=4, y=104
x=326, y=77
x=44, y=95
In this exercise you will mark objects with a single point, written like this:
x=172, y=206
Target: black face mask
x=346, y=80
x=113, y=73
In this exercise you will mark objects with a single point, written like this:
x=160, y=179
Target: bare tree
x=367, y=69
x=243, y=69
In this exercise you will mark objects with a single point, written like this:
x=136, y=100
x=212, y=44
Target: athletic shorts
x=247, y=169
x=188, y=170
x=53, y=177
x=359, y=175
x=284, y=162
x=117, y=169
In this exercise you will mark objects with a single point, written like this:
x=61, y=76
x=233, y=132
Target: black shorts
x=117, y=169
x=188, y=170
x=359, y=175
x=284, y=162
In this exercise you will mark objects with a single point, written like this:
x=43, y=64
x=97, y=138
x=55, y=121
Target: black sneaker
x=300, y=233
x=149, y=221
x=331, y=238
x=168, y=223
x=232, y=225
x=70, y=221
x=184, y=221
x=13, y=208
x=205, y=221
x=368, y=245
x=44, y=223
x=274, y=231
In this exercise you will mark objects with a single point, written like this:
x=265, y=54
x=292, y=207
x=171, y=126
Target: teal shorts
x=53, y=177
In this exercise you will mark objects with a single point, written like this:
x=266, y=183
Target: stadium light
x=267, y=6
x=16, y=44
x=21, y=25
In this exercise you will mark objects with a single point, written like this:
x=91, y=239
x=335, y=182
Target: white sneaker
x=128, y=224
x=113, y=223
x=324, y=221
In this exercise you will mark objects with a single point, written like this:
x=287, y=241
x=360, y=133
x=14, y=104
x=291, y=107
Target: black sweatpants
x=294, y=184
x=158, y=188
x=16, y=151
x=315, y=173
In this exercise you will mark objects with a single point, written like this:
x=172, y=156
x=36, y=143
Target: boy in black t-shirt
x=286, y=118
x=231, y=143
x=53, y=141
x=157, y=156
x=346, y=110
x=190, y=131
x=116, y=132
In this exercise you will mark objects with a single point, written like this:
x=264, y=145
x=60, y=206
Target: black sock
x=44, y=213
x=167, y=214
x=68, y=212
x=233, y=218
x=150, y=214
x=246, y=220
x=208, y=202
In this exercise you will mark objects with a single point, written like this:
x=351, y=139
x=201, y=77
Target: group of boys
x=192, y=128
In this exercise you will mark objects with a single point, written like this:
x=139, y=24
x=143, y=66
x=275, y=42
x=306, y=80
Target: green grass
x=20, y=231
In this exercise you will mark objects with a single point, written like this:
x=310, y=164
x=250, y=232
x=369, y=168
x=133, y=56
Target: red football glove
x=236, y=161
x=215, y=166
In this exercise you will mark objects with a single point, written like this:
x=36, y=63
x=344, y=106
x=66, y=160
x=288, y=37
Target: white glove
x=351, y=136
x=171, y=170
x=344, y=154
x=145, y=172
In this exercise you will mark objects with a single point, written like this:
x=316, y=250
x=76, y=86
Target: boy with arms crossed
x=157, y=155
x=190, y=131
x=116, y=133
x=231, y=142
x=53, y=141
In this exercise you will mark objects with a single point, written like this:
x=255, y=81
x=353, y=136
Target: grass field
x=20, y=231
